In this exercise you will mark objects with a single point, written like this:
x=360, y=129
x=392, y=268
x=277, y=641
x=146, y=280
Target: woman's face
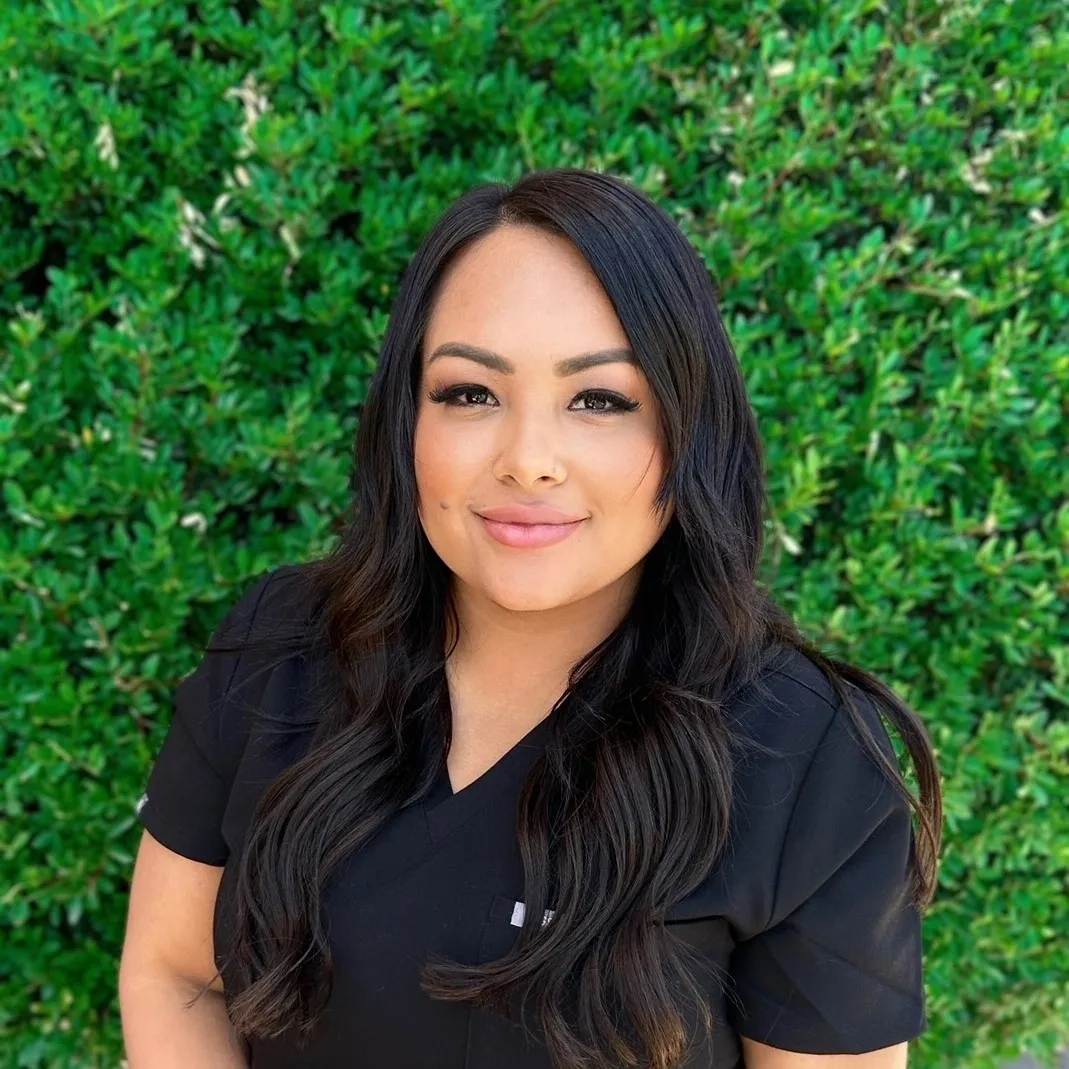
x=525, y=431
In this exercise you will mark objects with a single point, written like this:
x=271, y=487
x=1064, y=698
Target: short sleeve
x=838, y=969
x=189, y=783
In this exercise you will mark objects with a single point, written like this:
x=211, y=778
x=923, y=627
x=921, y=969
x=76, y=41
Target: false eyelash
x=447, y=394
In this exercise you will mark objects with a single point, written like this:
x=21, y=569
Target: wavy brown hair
x=644, y=752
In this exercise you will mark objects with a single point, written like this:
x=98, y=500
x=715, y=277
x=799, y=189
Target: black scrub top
x=806, y=918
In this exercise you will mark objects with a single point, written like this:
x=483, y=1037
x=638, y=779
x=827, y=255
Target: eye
x=597, y=401
x=615, y=402
x=448, y=395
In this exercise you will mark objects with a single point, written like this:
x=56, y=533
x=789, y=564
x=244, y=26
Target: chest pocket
x=494, y=1040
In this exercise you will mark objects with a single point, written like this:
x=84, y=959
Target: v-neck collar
x=444, y=810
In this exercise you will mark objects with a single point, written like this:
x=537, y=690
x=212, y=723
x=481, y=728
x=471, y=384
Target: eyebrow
x=496, y=362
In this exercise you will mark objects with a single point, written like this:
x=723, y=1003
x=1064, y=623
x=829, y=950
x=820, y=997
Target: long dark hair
x=643, y=755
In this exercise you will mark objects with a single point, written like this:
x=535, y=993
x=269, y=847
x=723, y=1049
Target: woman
x=531, y=771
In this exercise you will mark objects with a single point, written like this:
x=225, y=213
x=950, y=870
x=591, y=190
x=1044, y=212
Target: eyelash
x=448, y=394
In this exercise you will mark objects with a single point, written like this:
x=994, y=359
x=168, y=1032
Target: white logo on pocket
x=517, y=915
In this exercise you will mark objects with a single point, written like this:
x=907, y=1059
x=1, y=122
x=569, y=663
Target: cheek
x=628, y=470
x=444, y=463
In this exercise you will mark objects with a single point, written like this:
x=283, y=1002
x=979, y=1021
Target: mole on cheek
x=443, y=505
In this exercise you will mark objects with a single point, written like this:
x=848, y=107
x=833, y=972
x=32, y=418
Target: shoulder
x=777, y=723
x=266, y=641
x=256, y=648
x=278, y=603
x=805, y=785
x=793, y=705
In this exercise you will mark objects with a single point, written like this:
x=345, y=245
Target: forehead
x=521, y=290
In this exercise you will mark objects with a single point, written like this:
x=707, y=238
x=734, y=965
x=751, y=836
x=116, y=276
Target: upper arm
x=170, y=917
x=760, y=1056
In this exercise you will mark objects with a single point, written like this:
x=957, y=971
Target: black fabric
x=804, y=934
x=190, y=783
x=837, y=967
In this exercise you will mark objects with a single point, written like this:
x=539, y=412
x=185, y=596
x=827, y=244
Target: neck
x=535, y=649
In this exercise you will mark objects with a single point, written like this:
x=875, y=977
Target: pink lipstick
x=528, y=526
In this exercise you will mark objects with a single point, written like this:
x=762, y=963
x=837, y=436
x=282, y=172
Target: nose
x=528, y=450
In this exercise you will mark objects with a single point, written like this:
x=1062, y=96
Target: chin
x=536, y=597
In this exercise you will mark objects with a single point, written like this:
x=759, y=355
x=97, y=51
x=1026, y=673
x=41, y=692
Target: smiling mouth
x=529, y=535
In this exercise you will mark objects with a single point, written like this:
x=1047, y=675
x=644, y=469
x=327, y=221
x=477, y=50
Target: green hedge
x=205, y=209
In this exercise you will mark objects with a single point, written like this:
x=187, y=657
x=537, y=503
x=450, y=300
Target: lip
x=529, y=535
x=531, y=514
